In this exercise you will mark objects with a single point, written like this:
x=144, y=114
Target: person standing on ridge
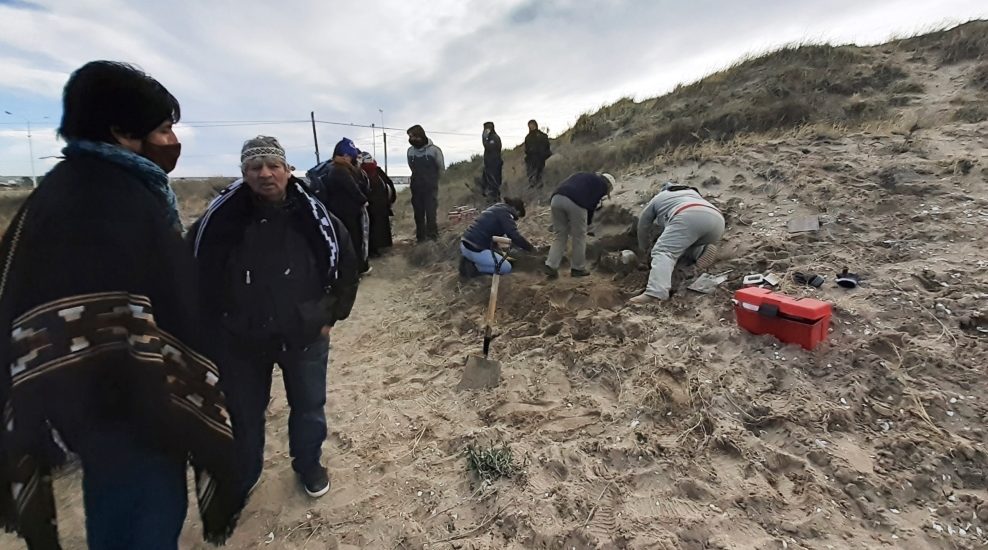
x=426, y=162
x=493, y=163
x=537, y=151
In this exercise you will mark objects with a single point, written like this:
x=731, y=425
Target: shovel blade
x=480, y=373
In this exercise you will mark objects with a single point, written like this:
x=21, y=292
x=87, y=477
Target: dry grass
x=10, y=201
x=491, y=462
x=980, y=78
x=966, y=43
x=974, y=112
x=840, y=88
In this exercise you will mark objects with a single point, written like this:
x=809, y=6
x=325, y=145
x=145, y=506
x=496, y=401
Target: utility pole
x=30, y=148
x=374, y=139
x=384, y=130
x=315, y=139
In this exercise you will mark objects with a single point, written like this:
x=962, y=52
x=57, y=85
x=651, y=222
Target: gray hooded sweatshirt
x=661, y=209
x=427, y=165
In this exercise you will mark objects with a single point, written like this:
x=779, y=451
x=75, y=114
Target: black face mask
x=417, y=141
x=165, y=156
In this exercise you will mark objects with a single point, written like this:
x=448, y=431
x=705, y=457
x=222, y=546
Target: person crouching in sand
x=499, y=220
x=689, y=227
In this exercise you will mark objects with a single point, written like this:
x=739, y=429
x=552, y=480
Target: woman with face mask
x=98, y=295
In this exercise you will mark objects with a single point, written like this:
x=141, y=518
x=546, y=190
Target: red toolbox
x=804, y=321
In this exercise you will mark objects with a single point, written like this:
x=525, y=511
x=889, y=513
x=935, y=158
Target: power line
x=236, y=123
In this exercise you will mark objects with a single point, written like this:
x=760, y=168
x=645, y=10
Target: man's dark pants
x=534, y=170
x=135, y=497
x=492, y=178
x=246, y=379
x=425, y=202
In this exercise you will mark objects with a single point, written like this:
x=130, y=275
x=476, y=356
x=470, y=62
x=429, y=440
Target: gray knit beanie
x=262, y=147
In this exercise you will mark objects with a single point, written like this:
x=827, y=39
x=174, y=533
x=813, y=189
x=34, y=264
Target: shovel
x=481, y=372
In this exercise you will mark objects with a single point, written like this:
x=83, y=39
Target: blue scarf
x=150, y=174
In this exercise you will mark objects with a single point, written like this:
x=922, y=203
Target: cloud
x=448, y=65
x=21, y=4
x=15, y=151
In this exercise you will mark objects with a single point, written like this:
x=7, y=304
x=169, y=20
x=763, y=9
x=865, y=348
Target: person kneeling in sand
x=499, y=220
x=689, y=226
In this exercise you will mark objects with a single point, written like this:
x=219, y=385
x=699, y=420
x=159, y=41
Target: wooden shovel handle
x=492, y=304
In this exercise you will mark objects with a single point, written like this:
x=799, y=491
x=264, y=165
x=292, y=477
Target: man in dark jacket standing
x=277, y=271
x=342, y=188
x=499, y=220
x=493, y=163
x=536, y=153
x=572, y=207
x=427, y=165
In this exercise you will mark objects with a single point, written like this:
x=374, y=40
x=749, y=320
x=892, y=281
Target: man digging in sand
x=277, y=271
x=689, y=226
x=573, y=205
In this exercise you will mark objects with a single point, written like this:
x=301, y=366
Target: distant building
x=13, y=181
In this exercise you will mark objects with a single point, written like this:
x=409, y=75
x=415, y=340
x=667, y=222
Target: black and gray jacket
x=427, y=165
x=537, y=146
x=274, y=275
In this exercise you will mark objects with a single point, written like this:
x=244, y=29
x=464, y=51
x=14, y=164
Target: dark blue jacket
x=498, y=220
x=586, y=189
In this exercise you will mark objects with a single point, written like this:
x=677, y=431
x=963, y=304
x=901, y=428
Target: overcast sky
x=446, y=64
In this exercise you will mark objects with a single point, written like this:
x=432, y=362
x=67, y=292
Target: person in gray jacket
x=689, y=226
x=427, y=165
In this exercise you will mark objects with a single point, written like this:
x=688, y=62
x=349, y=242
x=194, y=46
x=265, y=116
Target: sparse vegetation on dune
x=844, y=87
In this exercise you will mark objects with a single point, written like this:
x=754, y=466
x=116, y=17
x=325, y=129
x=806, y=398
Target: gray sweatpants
x=569, y=220
x=686, y=233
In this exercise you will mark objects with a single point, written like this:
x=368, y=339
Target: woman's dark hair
x=105, y=94
x=517, y=204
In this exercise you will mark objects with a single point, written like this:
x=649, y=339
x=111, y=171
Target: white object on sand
x=707, y=283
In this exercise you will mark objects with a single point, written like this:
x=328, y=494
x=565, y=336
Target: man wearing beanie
x=277, y=271
x=427, y=165
x=337, y=183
